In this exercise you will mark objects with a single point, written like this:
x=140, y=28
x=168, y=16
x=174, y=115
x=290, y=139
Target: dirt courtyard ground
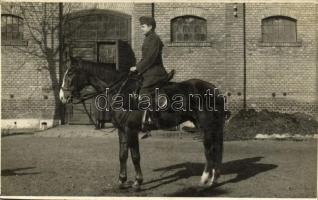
x=88, y=166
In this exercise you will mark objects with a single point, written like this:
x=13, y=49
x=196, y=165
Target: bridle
x=65, y=89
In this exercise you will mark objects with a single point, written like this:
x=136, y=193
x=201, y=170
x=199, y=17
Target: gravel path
x=88, y=166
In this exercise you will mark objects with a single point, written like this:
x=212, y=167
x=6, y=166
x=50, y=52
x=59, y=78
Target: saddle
x=165, y=81
x=137, y=78
x=161, y=83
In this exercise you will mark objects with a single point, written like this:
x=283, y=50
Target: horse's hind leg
x=123, y=156
x=213, y=147
x=216, y=147
x=208, y=165
x=217, y=152
x=135, y=155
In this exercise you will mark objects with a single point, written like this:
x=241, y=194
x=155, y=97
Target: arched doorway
x=100, y=36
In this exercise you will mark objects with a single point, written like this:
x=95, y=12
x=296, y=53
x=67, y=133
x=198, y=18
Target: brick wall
x=285, y=69
x=234, y=57
x=204, y=62
x=27, y=91
x=291, y=70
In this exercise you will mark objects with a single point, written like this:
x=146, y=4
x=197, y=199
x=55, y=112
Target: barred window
x=11, y=29
x=98, y=27
x=188, y=29
x=279, y=29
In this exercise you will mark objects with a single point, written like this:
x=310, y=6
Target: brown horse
x=82, y=73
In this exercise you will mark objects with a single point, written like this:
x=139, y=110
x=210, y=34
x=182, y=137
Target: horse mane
x=95, y=68
x=103, y=71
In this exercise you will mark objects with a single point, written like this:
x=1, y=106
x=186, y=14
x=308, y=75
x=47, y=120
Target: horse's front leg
x=135, y=155
x=123, y=156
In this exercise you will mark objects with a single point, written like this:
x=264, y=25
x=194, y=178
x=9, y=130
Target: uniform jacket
x=151, y=66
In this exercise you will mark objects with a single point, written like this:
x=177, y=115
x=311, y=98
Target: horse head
x=74, y=80
x=81, y=73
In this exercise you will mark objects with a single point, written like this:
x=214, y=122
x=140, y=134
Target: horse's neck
x=100, y=75
x=101, y=70
x=98, y=84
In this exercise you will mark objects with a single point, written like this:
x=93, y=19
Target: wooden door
x=107, y=52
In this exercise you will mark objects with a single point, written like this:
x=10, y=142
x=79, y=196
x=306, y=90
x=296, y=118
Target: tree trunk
x=55, y=86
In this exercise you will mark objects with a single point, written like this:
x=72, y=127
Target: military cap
x=148, y=20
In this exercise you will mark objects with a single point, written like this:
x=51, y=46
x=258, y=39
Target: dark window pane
x=292, y=33
x=15, y=20
x=191, y=37
x=101, y=27
x=180, y=21
x=11, y=28
x=3, y=35
x=186, y=37
x=185, y=29
x=282, y=35
x=3, y=22
x=90, y=18
x=203, y=37
x=15, y=35
x=188, y=28
x=197, y=29
x=180, y=37
x=9, y=35
x=278, y=29
x=15, y=27
x=275, y=33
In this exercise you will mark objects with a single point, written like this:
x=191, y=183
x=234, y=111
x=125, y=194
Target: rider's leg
x=145, y=117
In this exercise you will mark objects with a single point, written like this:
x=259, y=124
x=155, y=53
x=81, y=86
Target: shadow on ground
x=243, y=168
x=18, y=172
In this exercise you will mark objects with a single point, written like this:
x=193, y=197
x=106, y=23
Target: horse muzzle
x=65, y=98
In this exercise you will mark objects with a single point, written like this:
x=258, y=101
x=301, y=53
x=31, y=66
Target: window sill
x=280, y=44
x=14, y=43
x=190, y=44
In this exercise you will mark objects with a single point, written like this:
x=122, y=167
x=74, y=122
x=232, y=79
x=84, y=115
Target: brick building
x=262, y=55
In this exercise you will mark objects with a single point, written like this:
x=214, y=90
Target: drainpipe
x=153, y=10
x=244, y=58
x=61, y=43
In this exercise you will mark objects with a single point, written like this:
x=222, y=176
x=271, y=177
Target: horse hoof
x=203, y=183
x=214, y=178
x=204, y=178
x=122, y=185
x=136, y=186
x=212, y=182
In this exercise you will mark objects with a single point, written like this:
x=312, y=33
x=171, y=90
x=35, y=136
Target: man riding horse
x=81, y=73
x=150, y=67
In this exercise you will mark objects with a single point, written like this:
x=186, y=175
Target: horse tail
x=221, y=103
x=201, y=87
